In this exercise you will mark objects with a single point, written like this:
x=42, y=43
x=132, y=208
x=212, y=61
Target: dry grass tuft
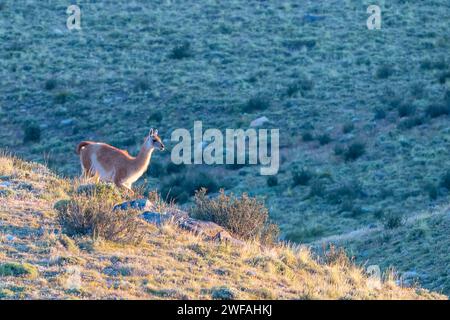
x=245, y=217
x=91, y=213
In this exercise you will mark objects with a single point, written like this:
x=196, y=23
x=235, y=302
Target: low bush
x=302, y=85
x=301, y=177
x=32, y=132
x=180, y=187
x=88, y=213
x=406, y=110
x=437, y=110
x=12, y=269
x=354, y=151
x=181, y=51
x=348, y=127
x=393, y=221
x=324, y=139
x=307, y=136
x=155, y=116
x=445, y=180
x=246, y=218
x=384, y=71
x=272, y=181
x=256, y=103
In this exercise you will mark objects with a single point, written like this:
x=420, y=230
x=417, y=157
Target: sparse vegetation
x=137, y=269
x=316, y=78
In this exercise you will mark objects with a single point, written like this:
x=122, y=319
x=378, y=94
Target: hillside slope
x=38, y=261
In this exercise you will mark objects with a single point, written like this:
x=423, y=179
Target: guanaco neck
x=142, y=160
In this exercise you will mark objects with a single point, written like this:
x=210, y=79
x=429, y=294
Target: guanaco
x=103, y=162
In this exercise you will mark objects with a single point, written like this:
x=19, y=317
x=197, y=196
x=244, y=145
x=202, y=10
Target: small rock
x=139, y=204
x=310, y=18
x=67, y=122
x=259, y=122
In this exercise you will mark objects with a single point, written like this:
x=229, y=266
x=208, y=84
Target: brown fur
x=104, y=162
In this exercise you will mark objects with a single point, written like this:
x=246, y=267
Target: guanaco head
x=154, y=141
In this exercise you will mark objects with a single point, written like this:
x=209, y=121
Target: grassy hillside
x=363, y=115
x=38, y=261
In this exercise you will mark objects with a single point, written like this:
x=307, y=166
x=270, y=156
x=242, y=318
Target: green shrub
x=379, y=114
x=50, y=84
x=155, y=170
x=175, y=168
x=32, y=132
x=302, y=85
x=305, y=234
x=62, y=97
x=437, y=110
x=223, y=293
x=432, y=190
x=141, y=84
x=256, y=103
x=348, y=127
x=354, y=151
x=272, y=181
x=155, y=116
x=338, y=150
x=301, y=177
x=180, y=187
x=445, y=180
x=307, y=136
x=384, y=71
x=12, y=269
x=317, y=189
x=393, y=221
x=347, y=191
x=406, y=110
x=324, y=139
x=444, y=77
x=411, y=122
x=433, y=65
x=181, y=51
x=246, y=218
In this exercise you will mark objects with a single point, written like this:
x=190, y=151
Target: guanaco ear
x=156, y=132
x=151, y=132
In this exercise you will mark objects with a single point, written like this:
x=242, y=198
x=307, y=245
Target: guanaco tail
x=102, y=162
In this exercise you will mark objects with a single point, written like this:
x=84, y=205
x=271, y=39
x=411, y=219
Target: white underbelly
x=133, y=178
x=102, y=173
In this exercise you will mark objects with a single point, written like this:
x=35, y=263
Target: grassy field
x=363, y=114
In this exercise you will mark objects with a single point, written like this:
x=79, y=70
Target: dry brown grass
x=169, y=264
